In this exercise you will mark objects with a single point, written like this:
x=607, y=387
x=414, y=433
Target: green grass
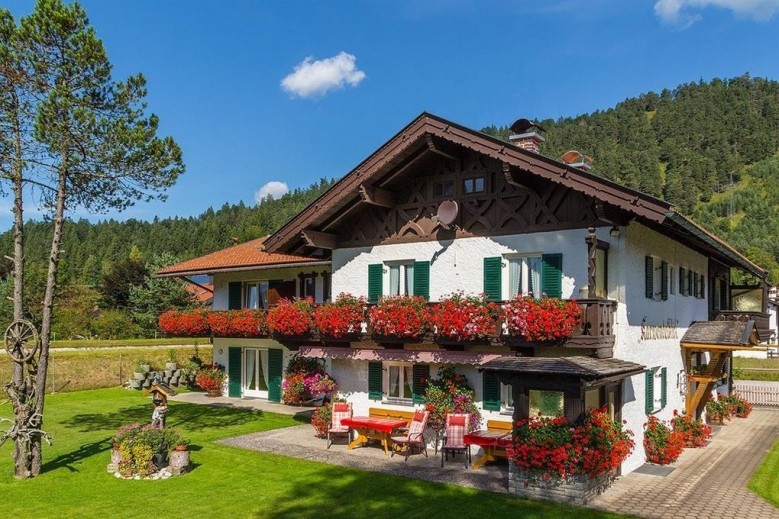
x=765, y=482
x=123, y=343
x=225, y=481
x=741, y=369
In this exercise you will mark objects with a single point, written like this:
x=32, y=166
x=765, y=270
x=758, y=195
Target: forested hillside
x=91, y=249
x=711, y=148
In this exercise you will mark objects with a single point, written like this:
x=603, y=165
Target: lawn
x=768, y=369
x=225, y=481
x=123, y=343
x=765, y=482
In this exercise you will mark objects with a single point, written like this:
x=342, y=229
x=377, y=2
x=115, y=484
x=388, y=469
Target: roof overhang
x=264, y=266
x=591, y=371
x=721, y=336
x=391, y=355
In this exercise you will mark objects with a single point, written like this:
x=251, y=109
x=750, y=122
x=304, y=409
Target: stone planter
x=145, y=368
x=171, y=366
x=178, y=462
x=577, y=490
x=135, y=384
x=169, y=373
x=139, y=376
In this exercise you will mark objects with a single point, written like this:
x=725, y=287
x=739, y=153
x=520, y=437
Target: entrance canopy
x=591, y=371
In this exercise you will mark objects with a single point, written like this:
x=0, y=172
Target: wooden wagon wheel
x=21, y=341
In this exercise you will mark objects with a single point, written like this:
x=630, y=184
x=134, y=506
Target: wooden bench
x=500, y=426
x=377, y=412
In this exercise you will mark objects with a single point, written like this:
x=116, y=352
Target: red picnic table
x=373, y=429
x=490, y=442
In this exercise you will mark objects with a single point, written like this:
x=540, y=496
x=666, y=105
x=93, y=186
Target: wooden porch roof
x=721, y=335
x=578, y=366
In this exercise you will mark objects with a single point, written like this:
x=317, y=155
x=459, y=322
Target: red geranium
x=340, y=318
x=695, y=432
x=237, y=323
x=548, y=319
x=661, y=444
x=192, y=323
x=291, y=317
x=463, y=318
x=400, y=316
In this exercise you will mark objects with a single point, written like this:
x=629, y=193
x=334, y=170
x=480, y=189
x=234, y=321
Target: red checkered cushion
x=420, y=415
x=341, y=410
x=418, y=424
x=455, y=430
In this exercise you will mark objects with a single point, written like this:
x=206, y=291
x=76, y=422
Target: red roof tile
x=237, y=257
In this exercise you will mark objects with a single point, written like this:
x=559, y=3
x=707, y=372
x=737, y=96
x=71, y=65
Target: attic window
x=473, y=185
x=443, y=189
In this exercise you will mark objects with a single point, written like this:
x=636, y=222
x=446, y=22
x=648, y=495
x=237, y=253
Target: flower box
x=291, y=318
x=340, y=319
x=402, y=318
x=461, y=319
x=541, y=320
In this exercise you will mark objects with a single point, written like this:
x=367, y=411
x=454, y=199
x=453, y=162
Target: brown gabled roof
x=420, y=136
x=735, y=334
x=244, y=256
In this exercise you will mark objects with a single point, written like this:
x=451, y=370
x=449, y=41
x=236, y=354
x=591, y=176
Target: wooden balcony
x=595, y=334
x=762, y=321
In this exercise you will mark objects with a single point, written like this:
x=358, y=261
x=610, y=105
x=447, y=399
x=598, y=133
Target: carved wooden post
x=592, y=245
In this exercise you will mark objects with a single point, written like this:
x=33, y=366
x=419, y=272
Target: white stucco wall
x=634, y=309
x=459, y=264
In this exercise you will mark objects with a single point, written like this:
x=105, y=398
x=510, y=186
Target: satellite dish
x=575, y=157
x=447, y=213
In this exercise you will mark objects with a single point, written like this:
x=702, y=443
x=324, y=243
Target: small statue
x=159, y=398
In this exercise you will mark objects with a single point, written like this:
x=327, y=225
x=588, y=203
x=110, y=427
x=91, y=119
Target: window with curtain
x=399, y=380
x=401, y=278
x=255, y=370
x=256, y=295
x=524, y=276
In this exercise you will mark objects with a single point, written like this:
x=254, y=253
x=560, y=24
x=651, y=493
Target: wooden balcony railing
x=595, y=332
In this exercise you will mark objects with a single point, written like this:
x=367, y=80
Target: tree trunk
x=46, y=318
x=19, y=386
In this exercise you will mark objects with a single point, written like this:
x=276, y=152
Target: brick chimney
x=530, y=141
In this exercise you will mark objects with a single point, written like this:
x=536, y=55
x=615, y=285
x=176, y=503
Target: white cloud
x=682, y=12
x=312, y=78
x=273, y=189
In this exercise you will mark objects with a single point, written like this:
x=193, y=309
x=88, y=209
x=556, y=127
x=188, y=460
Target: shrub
x=403, y=317
x=291, y=317
x=294, y=390
x=139, y=444
x=450, y=393
x=341, y=318
x=321, y=419
x=661, y=445
x=695, y=432
x=463, y=318
x=114, y=324
x=537, y=320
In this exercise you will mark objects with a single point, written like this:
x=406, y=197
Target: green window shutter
x=552, y=275
x=421, y=374
x=664, y=280
x=492, y=285
x=375, y=383
x=703, y=286
x=275, y=368
x=649, y=275
x=695, y=284
x=690, y=275
x=650, y=391
x=491, y=392
x=682, y=281
x=663, y=390
x=422, y=279
x=234, y=294
x=375, y=275
x=234, y=372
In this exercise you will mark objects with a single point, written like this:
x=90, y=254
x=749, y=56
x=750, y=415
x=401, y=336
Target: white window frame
x=406, y=281
x=506, y=401
x=524, y=274
x=403, y=366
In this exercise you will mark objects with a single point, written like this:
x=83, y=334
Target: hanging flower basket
x=461, y=319
x=399, y=319
x=290, y=319
x=541, y=320
x=340, y=320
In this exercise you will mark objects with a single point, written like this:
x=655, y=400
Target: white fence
x=759, y=393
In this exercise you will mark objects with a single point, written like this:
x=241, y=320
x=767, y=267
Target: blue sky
x=291, y=92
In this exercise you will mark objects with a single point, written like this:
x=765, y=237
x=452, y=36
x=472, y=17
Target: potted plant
x=399, y=318
x=211, y=378
x=661, y=444
x=291, y=318
x=740, y=406
x=695, y=432
x=460, y=318
x=341, y=319
x=541, y=320
x=182, y=444
x=717, y=411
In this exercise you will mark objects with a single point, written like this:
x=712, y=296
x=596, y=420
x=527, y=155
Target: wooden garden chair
x=341, y=411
